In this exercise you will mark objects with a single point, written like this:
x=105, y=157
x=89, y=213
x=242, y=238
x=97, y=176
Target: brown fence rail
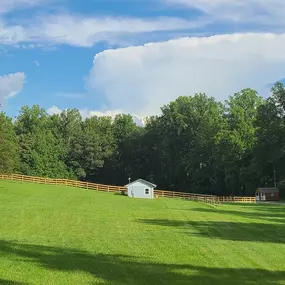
x=237, y=199
x=118, y=189
x=64, y=182
x=186, y=196
x=204, y=198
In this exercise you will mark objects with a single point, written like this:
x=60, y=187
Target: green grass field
x=60, y=235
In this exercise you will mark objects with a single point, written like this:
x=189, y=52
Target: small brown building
x=267, y=194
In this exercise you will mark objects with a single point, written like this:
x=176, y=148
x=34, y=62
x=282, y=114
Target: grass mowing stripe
x=61, y=235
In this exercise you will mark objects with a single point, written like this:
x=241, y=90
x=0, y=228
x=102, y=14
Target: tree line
x=196, y=145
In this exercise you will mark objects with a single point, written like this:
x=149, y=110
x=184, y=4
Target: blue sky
x=109, y=56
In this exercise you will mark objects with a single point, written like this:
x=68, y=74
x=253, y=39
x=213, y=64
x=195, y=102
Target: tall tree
x=196, y=144
x=236, y=140
x=67, y=128
x=39, y=149
x=269, y=153
x=98, y=145
x=9, y=155
x=186, y=132
x=126, y=133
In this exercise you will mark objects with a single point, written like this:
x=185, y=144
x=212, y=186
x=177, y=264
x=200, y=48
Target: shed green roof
x=142, y=181
x=267, y=190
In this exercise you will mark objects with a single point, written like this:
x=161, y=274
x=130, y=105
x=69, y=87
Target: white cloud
x=141, y=79
x=85, y=113
x=11, y=85
x=85, y=32
x=270, y=12
x=54, y=110
x=76, y=30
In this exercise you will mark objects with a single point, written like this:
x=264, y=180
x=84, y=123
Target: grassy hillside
x=58, y=235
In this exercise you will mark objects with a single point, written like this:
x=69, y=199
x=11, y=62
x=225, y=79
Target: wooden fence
x=118, y=189
x=64, y=182
x=204, y=198
x=231, y=199
x=186, y=196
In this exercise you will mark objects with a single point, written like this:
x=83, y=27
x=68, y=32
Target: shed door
x=263, y=197
x=257, y=196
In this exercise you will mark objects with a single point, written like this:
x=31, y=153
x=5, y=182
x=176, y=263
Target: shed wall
x=272, y=196
x=267, y=196
x=137, y=190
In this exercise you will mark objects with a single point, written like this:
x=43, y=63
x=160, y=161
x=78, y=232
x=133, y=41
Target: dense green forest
x=196, y=145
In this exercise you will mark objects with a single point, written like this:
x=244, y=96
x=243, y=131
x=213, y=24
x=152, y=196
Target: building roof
x=268, y=190
x=142, y=181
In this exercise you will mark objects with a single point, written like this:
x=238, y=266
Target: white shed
x=141, y=189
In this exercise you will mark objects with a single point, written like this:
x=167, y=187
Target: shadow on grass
x=255, y=232
x=8, y=282
x=266, y=208
x=119, y=194
x=120, y=269
x=264, y=214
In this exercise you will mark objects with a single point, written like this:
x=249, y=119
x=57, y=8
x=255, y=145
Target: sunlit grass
x=61, y=235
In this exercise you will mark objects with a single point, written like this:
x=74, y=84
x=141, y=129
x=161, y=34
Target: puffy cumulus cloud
x=54, y=110
x=85, y=32
x=11, y=85
x=269, y=12
x=86, y=113
x=141, y=79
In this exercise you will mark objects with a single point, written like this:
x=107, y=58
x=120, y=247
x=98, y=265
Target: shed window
x=146, y=191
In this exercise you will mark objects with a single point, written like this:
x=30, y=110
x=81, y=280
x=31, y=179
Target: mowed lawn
x=62, y=235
